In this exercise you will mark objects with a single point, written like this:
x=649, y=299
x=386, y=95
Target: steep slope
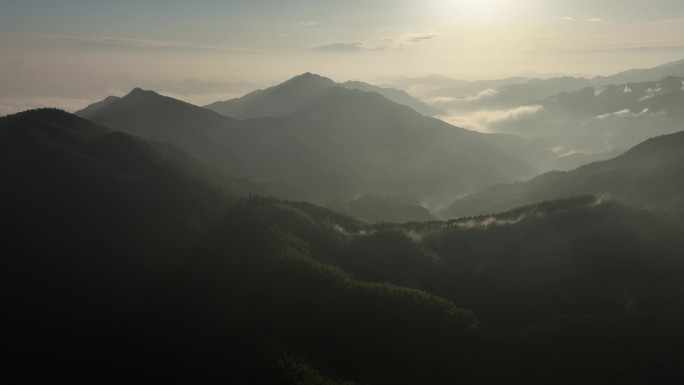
x=383, y=208
x=393, y=94
x=275, y=255
x=153, y=116
x=95, y=107
x=339, y=145
x=92, y=219
x=649, y=175
x=99, y=285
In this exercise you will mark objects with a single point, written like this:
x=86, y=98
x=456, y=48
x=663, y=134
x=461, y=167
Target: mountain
x=436, y=86
x=663, y=95
x=282, y=292
x=393, y=94
x=603, y=118
x=385, y=208
x=160, y=118
x=339, y=145
x=84, y=156
x=506, y=94
x=269, y=266
x=530, y=151
x=294, y=94
x=648, y=175
x=95, y=107
x=426, y=82
x=123, y=262
x=280, y=100
x=92, y=220
x=675, y=68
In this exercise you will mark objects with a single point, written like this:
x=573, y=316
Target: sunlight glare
x=473, y=9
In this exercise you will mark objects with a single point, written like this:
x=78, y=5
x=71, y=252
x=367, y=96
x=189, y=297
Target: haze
x=70, y=53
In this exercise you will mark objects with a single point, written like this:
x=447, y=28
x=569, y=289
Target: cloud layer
x=397, y=42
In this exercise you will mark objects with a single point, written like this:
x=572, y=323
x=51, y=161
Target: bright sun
x=478, y=9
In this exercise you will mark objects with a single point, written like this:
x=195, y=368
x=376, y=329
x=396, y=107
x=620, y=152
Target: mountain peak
x=137, y=92
x=309, y=79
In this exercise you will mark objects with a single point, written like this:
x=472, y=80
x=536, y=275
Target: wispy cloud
x=342, y=46
x=484, y=223
x=591, y=19
x=627, y=113
x=120, y=43
x=651, y=93
x=396, y=42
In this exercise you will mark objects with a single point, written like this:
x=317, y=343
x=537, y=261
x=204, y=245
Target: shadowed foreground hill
x=116, y=270
x=650, y=175
x=575, y=291
x=90, y=219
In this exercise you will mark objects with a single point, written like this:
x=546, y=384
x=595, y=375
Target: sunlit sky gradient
x=69, y=53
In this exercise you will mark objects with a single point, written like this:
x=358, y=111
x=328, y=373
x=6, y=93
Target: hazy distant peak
x=308, y=79
x=135, y=97
x=138, y=92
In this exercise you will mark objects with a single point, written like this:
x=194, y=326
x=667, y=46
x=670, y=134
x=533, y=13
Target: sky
x=69, y=53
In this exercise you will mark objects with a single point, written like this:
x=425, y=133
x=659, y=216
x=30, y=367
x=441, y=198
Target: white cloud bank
x=442, y=100
x=482, y=120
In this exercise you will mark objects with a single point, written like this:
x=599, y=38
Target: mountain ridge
x=339, y=136
x=646, y=175
x=290, y=95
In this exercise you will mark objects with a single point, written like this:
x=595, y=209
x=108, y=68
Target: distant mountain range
x=529, y=88
x=335, y=143
x=505, y=93
x=601, y=118
x=129, y=258
x=291, y=96
x=649, y=175
x=580, y=119
x=675, y=68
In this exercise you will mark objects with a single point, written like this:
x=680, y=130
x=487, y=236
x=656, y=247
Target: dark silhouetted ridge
x=95, y=107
